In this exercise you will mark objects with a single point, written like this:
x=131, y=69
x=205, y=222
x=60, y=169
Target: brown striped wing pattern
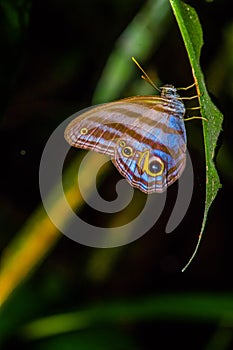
x=144, y=136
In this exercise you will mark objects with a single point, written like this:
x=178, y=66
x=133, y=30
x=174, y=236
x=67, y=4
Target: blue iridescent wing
x=145, y=139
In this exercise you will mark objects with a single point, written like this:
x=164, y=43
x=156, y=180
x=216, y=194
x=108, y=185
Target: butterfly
x=145, y=136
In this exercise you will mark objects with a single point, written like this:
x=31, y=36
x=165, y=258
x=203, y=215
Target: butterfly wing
x=146, y=141
x=151, y=160
x=100, y=127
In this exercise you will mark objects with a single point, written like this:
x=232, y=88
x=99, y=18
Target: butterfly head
x=169, y=91
x=172, y=101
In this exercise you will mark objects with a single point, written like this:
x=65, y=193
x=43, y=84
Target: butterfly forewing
x=100, y=127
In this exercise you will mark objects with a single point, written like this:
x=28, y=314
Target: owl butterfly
x=144, y=136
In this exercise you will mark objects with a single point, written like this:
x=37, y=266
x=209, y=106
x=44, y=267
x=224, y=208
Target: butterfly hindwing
x=147, y=162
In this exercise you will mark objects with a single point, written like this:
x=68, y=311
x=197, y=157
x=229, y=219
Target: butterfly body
x=144, y=135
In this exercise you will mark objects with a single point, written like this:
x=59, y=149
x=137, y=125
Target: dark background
x=53, y=53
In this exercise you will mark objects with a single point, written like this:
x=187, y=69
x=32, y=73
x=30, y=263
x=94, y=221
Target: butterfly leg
x=187, y=87
x=195, y=117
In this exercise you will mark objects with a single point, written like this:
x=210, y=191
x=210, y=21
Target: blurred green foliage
x=53, y=55
x=14, y=18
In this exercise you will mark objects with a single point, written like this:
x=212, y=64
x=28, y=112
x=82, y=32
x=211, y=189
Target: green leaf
x=191, y=32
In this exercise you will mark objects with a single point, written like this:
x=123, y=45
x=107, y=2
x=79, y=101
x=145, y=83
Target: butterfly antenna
x=145, y=76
